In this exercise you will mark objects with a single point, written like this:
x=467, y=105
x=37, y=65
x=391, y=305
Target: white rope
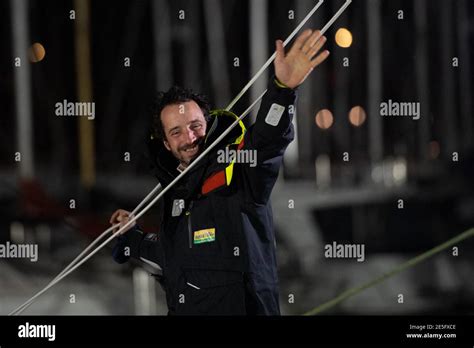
x=94, y=242
x=272, y=58
x=75, y=263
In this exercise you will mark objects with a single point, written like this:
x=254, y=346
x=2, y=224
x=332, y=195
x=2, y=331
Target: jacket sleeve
x=140, y=246
x=128, y=245
x=269, y=137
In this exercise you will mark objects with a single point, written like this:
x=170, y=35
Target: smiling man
x=184, y=126
x=215, y=250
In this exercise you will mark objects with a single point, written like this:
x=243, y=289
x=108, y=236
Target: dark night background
x=354, y=201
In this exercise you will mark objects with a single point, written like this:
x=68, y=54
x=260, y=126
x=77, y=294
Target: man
x=216, y=243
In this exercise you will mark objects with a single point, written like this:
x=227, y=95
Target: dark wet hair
x=175, y=95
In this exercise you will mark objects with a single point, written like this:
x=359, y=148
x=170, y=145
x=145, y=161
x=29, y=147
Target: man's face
x=184, y=126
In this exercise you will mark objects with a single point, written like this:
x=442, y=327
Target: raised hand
x=294, y=67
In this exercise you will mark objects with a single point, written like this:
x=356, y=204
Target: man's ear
x=167, y=145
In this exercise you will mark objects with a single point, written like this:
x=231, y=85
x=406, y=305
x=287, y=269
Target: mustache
x=198, y=142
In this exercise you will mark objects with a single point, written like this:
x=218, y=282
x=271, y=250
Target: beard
x=186, y=154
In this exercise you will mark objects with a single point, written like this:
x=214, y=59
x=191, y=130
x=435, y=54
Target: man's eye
x=174, y=133
x=196, y=126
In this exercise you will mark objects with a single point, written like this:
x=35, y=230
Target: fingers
x=301, y=39
x=315, y=49
x=120, y=216
x=319, y=59
x=113, y=218
x=280, y=51
x=311, y=41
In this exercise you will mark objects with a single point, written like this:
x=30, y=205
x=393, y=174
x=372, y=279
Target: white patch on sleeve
x=274, y=114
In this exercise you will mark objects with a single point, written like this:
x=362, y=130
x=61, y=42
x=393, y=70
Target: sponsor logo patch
x=205, y=236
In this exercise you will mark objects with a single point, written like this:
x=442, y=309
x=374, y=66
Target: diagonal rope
x=94, y=242
x=400, y=268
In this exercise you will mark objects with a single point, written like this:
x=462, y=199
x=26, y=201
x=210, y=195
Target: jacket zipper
x=190, y=228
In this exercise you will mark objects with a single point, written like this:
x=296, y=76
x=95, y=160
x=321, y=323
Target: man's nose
x=190, y=136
